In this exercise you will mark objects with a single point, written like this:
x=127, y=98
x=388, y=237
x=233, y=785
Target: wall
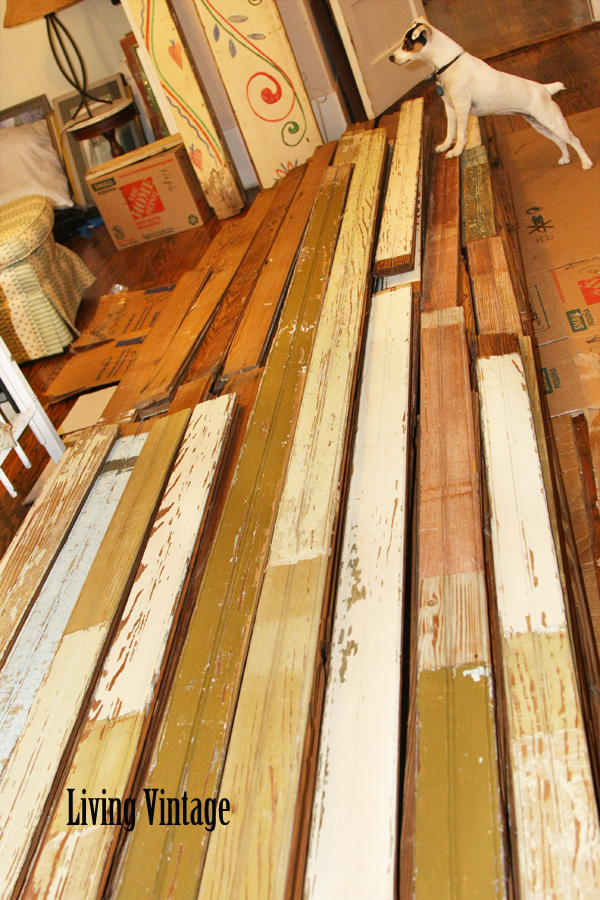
x=27, y=67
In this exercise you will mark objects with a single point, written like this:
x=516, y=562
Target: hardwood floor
x=490, y=27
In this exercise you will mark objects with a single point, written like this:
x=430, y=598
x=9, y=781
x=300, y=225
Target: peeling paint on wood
x=353, y=845
x=556, y=818
x=72, y=861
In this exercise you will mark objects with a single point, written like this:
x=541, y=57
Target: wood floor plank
x=550, y=767
x=494, y=298
x=72, y=861
x=282, y=678
x=412, y=276
x=396, y=244
x=190, y=749
x=39, y=539
x=442, y=243
x=248, y=347
x=477, y=202
x=458, y=831
x=37, y=641
x=27, y=782
x=354, y=831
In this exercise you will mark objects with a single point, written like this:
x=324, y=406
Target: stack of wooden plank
x=265, y=636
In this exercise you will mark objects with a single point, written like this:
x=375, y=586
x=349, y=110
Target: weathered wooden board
x=155, y=27
x=265, y=87
x=282, y=677
x=72, y=860
x=117, y=315
x=39, y=539
x=248, y=347
x=354, y=831
x=230, y=259
x=412, y=276
x=191, y=746
x=555, y=814
x=27, y=782
x=442, y=243
x=458, y=823
x=33, y=649
x=477, y=206
x=494, y=298
x=396, y=245
x=184, y=298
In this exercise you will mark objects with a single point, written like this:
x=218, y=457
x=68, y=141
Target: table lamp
x=72, y=66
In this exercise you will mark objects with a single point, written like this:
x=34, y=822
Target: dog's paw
x=452, y=153
x=564, y=161
x=441, y=148
x=587, y=164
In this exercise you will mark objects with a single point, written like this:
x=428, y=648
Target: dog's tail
x=555, y=87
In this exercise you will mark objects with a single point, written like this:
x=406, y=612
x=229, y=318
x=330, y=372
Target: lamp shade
x=18, y=12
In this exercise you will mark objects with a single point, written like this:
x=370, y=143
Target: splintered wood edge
x=394, y=266
x=497, y=345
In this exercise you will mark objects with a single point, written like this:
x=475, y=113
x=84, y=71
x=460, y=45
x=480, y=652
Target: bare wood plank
x=550, y=766
x=156, y=29
x=230, y=286
x=250, y=340
x=282, y=678
x=73, y=861
x=264, y=85
x=495, y=303
x=39, y=539
x=396, y=246
x=412, y=276
x=442, y=244
x=354, y=831
x=27, y=783
x=456, y=757
x=198, y=718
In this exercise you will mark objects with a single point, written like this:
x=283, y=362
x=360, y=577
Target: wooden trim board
x=396, y=244
x=72, y=861
x=39, y=539
x=556, y=817
x=282, y=677
x=354, y=831
x=442, y=242
x=493, y=295
x=27, y=782
x=193, y=737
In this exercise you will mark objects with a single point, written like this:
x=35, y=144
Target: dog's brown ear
x=421, y=33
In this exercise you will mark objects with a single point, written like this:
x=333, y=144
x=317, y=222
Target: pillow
x=29, y=164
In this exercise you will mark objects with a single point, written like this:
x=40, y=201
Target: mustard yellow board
x=155, y=29
x=261, y=76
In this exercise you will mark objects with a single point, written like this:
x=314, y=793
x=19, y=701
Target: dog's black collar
x=438, y=72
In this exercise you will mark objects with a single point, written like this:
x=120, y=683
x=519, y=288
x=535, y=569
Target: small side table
x=104, y=123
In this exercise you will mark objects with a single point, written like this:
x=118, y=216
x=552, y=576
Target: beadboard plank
x=493, y=295
x=39, y=539
x=396, y=245
x=442, y=243
x=37, y=641
x=190, y=748
x=353, y=844
x=556, y=818
x=248, y=347
x=27, y=782
x=156, y=29
x=282, y=678
x=72, y=860
x=263, y=82
x=477, y=206
x=458, y=834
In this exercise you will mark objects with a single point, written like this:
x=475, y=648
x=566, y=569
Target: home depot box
x=566, y=301
x=148, y=193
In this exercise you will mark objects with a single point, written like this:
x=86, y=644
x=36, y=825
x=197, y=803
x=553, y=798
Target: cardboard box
x=566, y=301
x=563, y=386
x=148, y=193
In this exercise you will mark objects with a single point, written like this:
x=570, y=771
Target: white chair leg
x=7, y=484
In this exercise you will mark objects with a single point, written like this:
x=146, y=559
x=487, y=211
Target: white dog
x=468, y=86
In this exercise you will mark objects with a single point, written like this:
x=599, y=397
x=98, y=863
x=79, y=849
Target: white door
x=371, y=30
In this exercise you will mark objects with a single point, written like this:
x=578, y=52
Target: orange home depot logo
x=142, y=198
x=590, y=288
